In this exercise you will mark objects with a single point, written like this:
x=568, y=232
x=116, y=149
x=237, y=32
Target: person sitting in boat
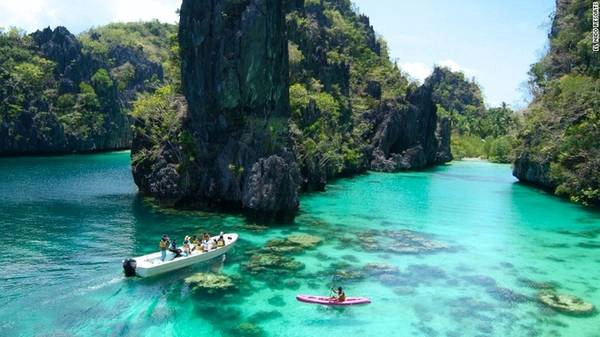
x=195, y=242
x=221, y=241
x=338, y=295
x=173, y=249
x=187, y=249
x=205, y=242
x=163, y=245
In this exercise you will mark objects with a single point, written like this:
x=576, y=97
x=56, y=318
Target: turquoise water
x=484, y=246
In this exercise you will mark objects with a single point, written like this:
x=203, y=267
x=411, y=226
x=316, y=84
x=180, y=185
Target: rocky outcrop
x=557, y=148
x=533, y=171
x=210, y=283
x=235, y=80
x=567, y=304
x=45, y=126
x=408, y=135
x=235, y=149
x=58, y=45
x=443, y=135
x=272, y=186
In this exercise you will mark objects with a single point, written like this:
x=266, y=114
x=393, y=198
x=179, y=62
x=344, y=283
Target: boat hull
x=329, y=301
x=150, y=265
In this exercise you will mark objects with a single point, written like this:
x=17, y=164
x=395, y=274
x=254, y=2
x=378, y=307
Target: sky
x=493, y=41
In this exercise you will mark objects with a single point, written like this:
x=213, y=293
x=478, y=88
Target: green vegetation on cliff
x=62, y=93
x=339, y=69
x=560, y=141
x=157, y=41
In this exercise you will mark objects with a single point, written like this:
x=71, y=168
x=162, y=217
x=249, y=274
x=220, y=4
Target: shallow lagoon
x=484, y=247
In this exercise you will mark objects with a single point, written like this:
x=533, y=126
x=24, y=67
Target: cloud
x=79, y=15
x=26, y=14
x=454, y=66
x=417, y=70
x=420, y=71
x=135, y=10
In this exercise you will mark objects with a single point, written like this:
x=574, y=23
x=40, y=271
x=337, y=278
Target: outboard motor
x=129, y=266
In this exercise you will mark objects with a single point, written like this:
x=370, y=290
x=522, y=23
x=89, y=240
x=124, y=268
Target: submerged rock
x=209, y=282
x=396, y=241
x=276, y=301
x=262, y=316
x=260, y=262
x=247, y=330
x=281, y=247
x=380, y=268
x=344, y=272
x=496, y=291
x=292, y=244
x=254, y=227
x=303, y=240
x=566, y=303
x=538, y=285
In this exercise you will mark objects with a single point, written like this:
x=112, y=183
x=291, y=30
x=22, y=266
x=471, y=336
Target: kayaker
x=163, y=245
x=339, y=295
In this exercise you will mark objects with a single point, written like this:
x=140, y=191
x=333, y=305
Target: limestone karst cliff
x=263, y=113
x=560, y=139
x=235, y=80
x=57, y=96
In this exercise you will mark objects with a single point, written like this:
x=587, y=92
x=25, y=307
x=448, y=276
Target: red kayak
x=329, y=301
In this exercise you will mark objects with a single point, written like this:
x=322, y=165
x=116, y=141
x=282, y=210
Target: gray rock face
x=268, y=186
x=443, y=135
x=408, y=135
x=235, y=80
x=534, y=171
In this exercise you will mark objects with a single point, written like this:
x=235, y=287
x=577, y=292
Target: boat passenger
x=195, y=242
x=221, y=241
x=205, y=242
x=186, y=245
x=163, y=245
x=338, y=295
x=173, y=249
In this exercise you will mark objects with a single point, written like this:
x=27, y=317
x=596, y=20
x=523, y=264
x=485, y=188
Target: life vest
x=163, y=244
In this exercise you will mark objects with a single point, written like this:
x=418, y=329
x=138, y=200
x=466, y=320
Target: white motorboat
x=151, y=264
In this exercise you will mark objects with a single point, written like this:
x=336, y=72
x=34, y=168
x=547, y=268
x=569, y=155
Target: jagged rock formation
x=350, y=107
x=527, y=168
x=61, y=98
x=408, y=135
x=235, y=80
x=236, y=145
